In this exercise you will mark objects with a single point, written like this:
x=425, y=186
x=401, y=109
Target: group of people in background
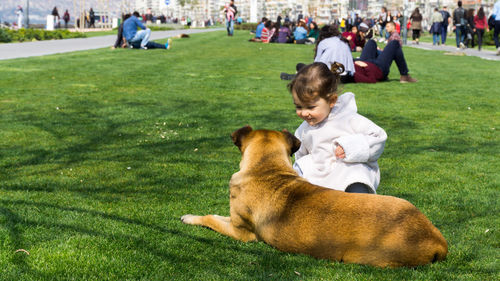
x=469, y=26
x=304, y=31
x=466, y=23
x=89, y=18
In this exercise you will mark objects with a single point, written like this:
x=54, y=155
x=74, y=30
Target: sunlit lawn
x=102, y=151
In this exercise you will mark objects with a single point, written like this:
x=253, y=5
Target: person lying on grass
x=339, y=147
x=372, y=66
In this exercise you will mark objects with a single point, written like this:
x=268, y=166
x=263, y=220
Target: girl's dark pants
x=358, y=187
x=480, y=34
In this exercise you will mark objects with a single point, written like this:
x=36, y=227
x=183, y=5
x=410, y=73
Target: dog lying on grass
x=269, y=202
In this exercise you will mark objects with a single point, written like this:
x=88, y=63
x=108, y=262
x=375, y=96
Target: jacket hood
x=346, y=104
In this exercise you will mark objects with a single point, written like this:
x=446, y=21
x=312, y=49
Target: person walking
x=66, y=19
x=55, y=13
x=231, y=12
x=480, y=24
x=436, y=20
x=470, y=30
x=20, y=16
x=91, y=18
x=496, y=14
x=459, y=25
x=416, y=25
x=444, y=24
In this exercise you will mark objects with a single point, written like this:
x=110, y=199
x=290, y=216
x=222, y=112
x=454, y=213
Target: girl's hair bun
x=337, y=68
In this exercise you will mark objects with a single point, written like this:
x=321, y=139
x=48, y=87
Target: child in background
x=266, y=32
x=351, y=37
x=398, y=27
x=339, y=147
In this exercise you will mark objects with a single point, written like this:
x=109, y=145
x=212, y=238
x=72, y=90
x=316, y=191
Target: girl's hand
x=339, y=152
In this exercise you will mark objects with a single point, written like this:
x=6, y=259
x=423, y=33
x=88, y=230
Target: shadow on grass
x=85, y=132
x=12, y=223
x=261, y=255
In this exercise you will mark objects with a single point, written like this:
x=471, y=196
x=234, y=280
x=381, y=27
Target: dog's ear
x=239, y=134
x=292, y=141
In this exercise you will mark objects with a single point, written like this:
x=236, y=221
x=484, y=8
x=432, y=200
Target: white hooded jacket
x=362, y=140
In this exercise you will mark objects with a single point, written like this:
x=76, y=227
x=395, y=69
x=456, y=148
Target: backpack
x=460, y=16
x=445, y=15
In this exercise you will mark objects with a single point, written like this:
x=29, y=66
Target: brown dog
x=270, y=203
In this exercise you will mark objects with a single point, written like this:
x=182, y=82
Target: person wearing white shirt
x=339, y=147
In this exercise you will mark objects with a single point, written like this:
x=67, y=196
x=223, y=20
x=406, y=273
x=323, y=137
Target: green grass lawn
x=101, y=153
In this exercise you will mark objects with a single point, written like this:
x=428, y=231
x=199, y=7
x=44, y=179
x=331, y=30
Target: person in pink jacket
x=480, y=24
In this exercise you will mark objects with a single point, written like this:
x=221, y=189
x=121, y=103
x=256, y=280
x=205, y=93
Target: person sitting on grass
x=121, y=42
x=339, y=147
x=140, y=39
x=313, y=32
x=390, y=27
x=258, y=31
x=266, y=32
x=351, y=37
x=284, y=33
x=331, y=48
x=364, y=33
x=300, y=33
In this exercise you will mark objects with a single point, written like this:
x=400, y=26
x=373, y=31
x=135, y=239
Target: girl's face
x=312, y=112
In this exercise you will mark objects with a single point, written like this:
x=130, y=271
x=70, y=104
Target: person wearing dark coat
x=92, y=18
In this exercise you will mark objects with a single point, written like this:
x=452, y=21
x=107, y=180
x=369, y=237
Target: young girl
x=339, y=147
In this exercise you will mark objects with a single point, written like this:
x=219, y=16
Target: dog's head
x=245, y=135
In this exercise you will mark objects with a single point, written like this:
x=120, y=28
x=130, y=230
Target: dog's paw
x=188, y=219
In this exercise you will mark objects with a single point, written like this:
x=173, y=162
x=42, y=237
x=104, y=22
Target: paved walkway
x=452, y=50
x=41, y=48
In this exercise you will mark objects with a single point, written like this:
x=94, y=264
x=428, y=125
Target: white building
x=322, y=11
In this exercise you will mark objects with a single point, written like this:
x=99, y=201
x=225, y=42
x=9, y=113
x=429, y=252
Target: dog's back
x=353, y=228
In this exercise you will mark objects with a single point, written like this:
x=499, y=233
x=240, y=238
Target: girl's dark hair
x=416, y=15
x=315, y=26
x=480, y=13
x=315, y=81
x=328, y=31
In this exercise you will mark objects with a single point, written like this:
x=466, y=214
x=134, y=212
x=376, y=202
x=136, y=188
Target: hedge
x=246, y=26
x=5, y=36
x=30, y=34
